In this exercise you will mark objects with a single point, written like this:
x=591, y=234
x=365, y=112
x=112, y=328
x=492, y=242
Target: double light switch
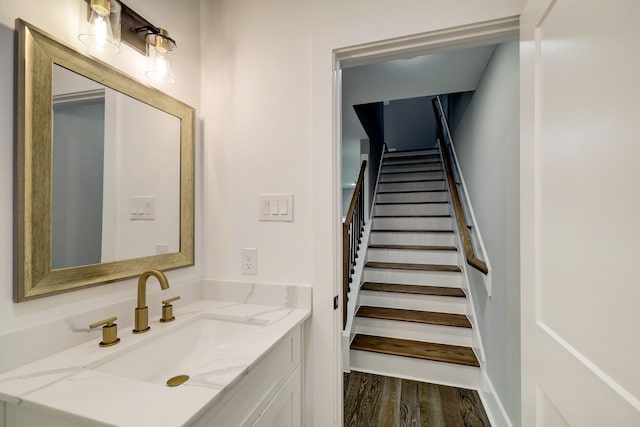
x=276, y=207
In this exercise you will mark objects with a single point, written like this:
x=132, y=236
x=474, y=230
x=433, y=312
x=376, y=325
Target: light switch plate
x=142, y=208
x=275, y=207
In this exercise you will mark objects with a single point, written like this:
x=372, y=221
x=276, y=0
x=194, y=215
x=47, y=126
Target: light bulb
x=100, y=28
x=159, y=67
x=101, y=36
x=162, y=68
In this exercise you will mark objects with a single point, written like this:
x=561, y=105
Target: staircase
x=412, y=317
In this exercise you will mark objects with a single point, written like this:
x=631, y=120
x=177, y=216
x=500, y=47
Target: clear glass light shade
x=159, y=68
x=103, y=32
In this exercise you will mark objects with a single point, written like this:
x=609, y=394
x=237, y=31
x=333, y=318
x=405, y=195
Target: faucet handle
x=109, y=331
x=167, y=310
x=170, y=300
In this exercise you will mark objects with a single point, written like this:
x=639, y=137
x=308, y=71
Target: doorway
x=492, y=32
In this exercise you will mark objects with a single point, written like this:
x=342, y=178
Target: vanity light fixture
x=103, y=34
x=112, y=21
x=159, y=67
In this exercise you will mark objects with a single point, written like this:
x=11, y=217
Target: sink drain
x=177, y=380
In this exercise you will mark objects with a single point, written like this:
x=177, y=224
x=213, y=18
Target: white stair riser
x=423, y=196
x=413, y=257
x=413, y=277
x=411, y=176
x=414, y=209
x=412, y=186
x=413, y=223
x=436, y=303
x=414, y=331
x=416, y=369
x=425, y=167
x=411, y=160
x=400, y=154
x=429, y=239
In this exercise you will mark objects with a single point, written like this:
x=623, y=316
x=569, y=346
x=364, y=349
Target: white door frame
x=473, y=35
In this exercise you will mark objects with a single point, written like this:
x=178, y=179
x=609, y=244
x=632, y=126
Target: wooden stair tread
x=414, y=247
x=417, y=267
x=413, y=155
x=416, y=349
x=412, y=191
x=412, y=163
x=416, y=158
x=398, y=172
x=416, y=316
x=411, y=216
x=412, y=180
x=410, y=203
x=394, y=230
x=413, y=150
x=414, y=289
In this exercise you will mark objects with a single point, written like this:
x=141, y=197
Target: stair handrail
x=352, y=229
x=466, y=221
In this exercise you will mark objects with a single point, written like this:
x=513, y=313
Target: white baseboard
x=492, y=404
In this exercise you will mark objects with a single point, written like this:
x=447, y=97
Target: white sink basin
x=210, y=351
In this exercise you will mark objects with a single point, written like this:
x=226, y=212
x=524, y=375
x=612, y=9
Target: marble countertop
x=68, y=383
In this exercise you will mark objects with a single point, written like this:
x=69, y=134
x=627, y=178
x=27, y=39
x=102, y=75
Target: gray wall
x=78, y=159
x=487, y=143
x=458, y=103
x=409, y=124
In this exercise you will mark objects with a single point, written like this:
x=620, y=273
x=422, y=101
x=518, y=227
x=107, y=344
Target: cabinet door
x=285, y=408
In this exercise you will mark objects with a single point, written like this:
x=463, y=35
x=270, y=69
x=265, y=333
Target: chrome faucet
x=142, y=311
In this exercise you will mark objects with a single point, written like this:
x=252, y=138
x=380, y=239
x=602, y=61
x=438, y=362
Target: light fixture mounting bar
x=131, y=21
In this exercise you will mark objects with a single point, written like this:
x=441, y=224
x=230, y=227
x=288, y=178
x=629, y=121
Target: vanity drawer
x=245, y=401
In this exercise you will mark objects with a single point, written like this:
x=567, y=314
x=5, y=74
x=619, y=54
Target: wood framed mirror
x=104, y=172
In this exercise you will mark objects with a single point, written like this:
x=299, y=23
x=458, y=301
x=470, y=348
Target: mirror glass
x=115, y=175
x=104, y=172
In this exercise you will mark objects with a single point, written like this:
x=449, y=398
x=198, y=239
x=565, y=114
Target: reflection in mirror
x=77, y=176
x=116, y=175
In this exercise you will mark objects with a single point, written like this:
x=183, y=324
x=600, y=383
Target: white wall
x=487, y=144
x=61, y=19
x=268, y=105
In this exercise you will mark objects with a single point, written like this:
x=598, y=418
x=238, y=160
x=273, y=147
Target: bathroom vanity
x=244, y=363
x=233, y=354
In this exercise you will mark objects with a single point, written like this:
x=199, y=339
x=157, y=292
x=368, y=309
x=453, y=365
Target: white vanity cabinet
x=284, y=410
x=267, y=394
x=270, y=395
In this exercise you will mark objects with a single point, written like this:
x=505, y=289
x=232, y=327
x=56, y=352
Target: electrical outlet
x=249, y=261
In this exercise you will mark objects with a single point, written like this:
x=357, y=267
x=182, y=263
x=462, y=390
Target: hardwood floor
x=379, y=401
